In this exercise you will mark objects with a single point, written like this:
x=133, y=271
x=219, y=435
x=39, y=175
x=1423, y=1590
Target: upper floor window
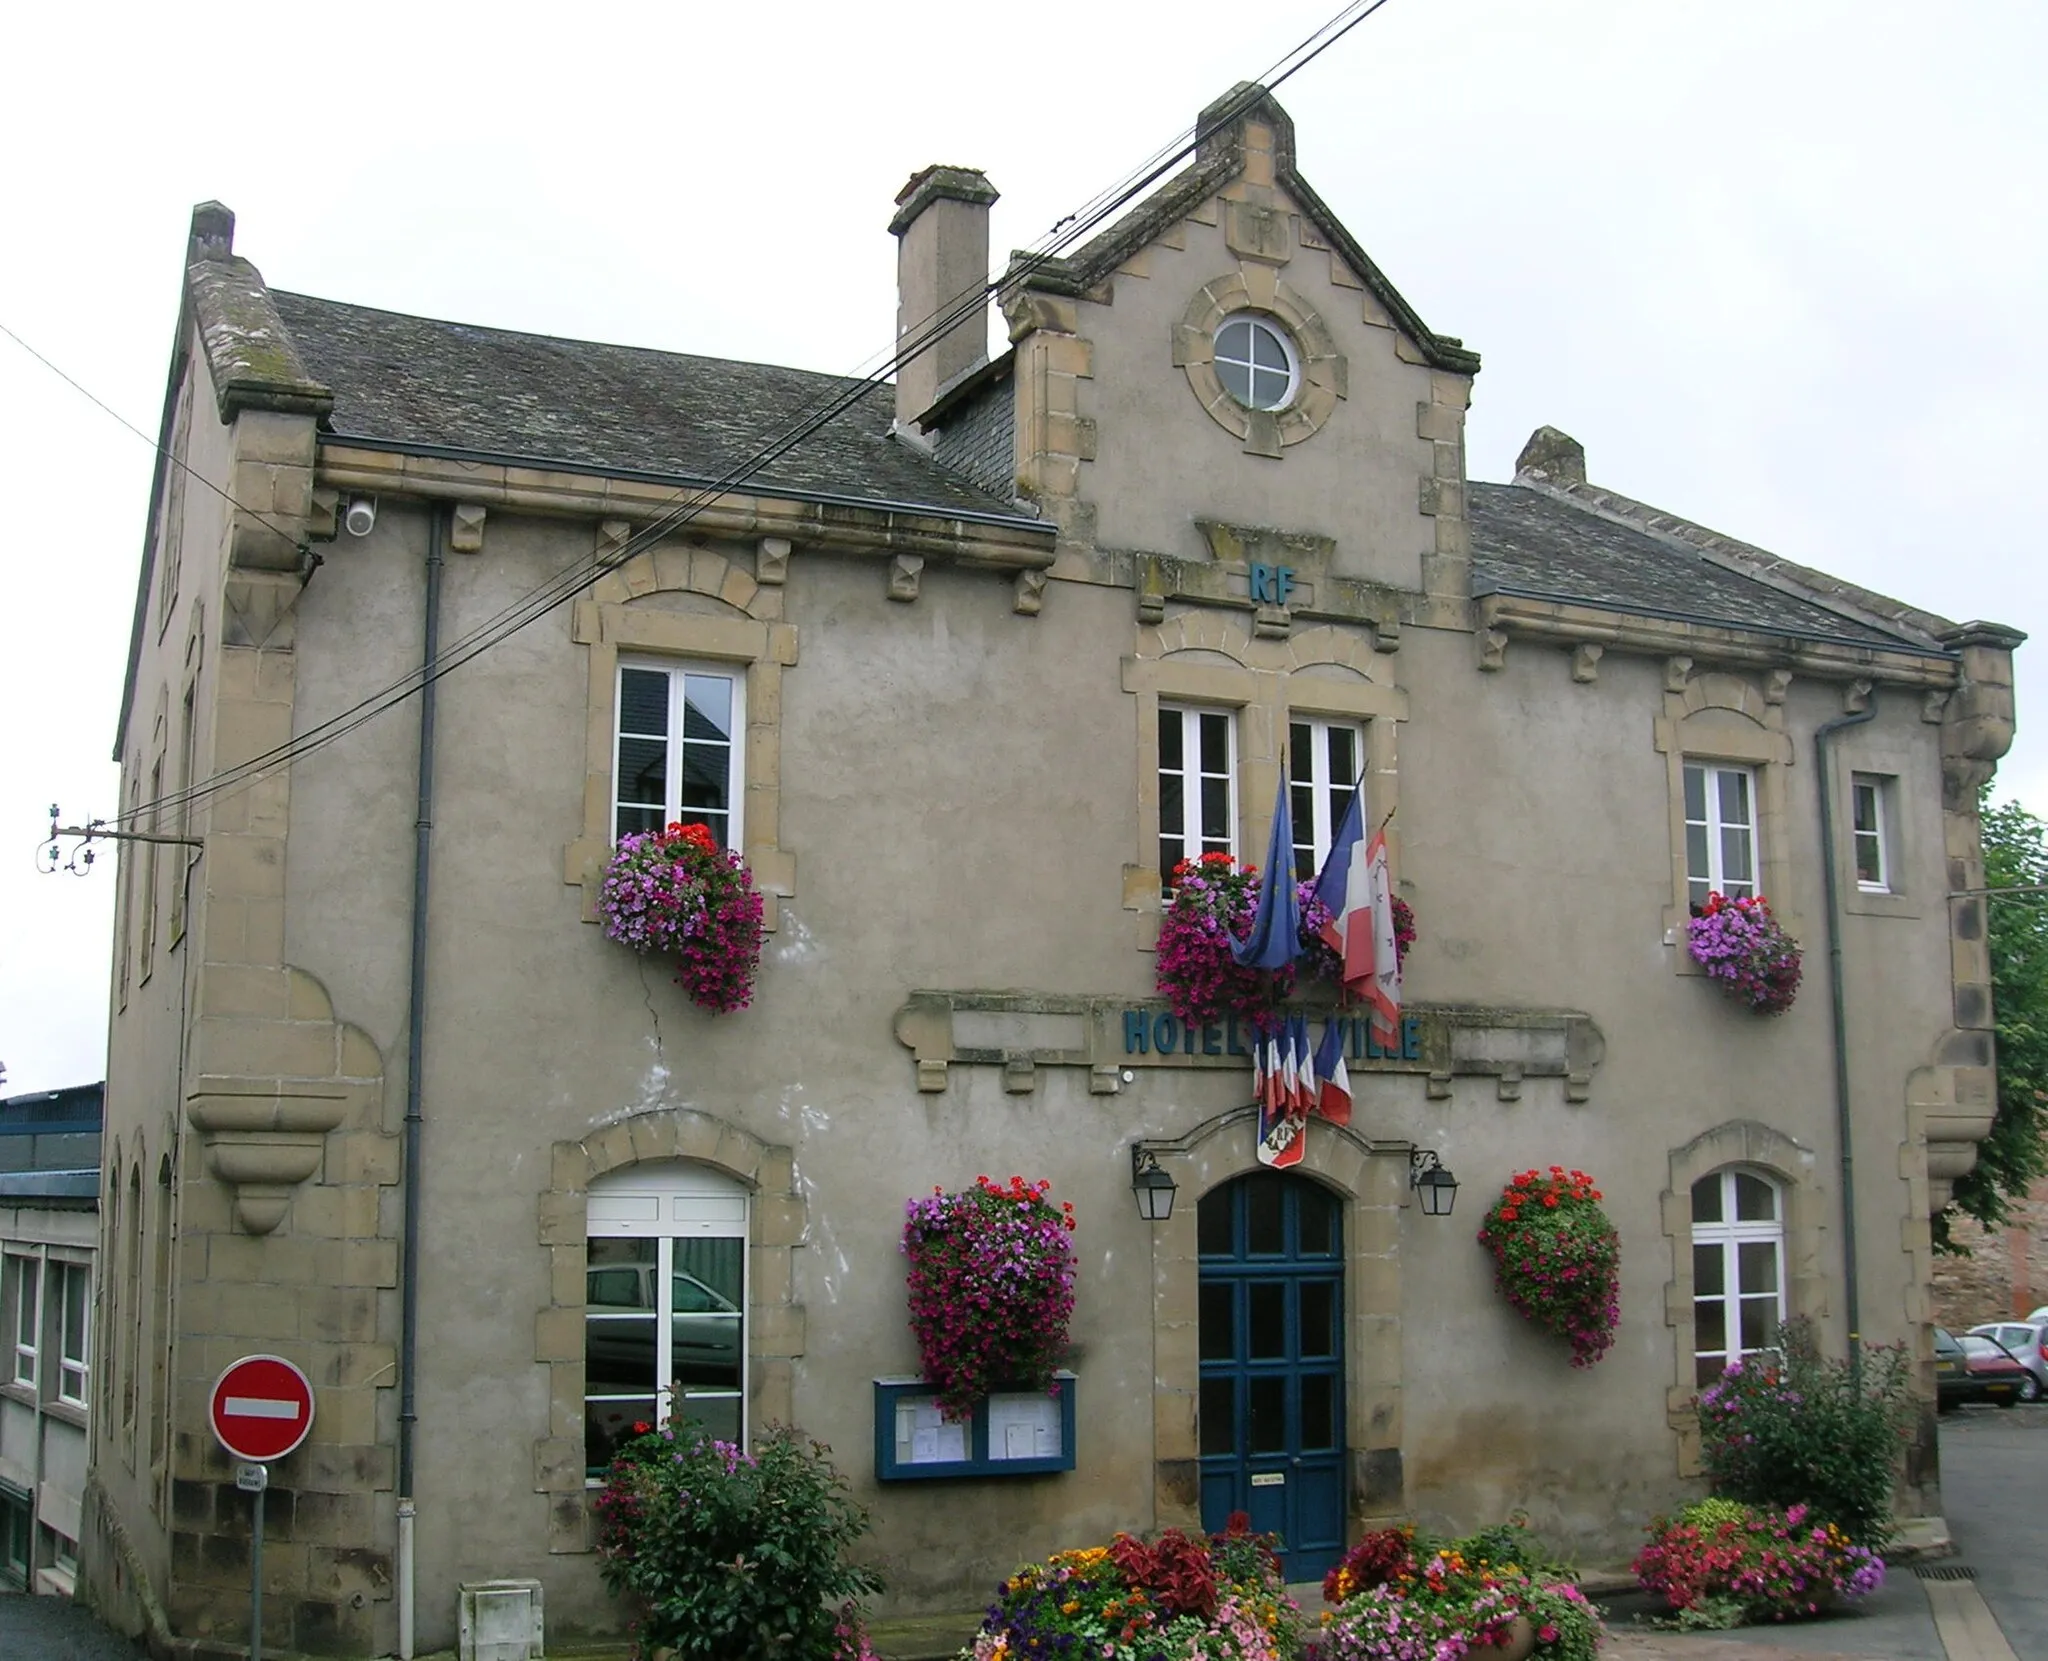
x=1869, y=832
x=1720, y=831
x=665, y=1305
x=1325, y=760
x=71, y=1291
x=1256, y=362
x=1197, y=785
x=1738, y=1268
x=21, y=1304
x=679, y=751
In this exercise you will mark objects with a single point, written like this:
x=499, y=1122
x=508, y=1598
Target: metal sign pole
x=255, y=1479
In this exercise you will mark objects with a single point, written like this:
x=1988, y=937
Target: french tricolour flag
x=1358, y=890
x=1333, y=1100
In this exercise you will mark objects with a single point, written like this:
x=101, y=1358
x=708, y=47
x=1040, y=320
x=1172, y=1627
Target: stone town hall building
x=961, y=673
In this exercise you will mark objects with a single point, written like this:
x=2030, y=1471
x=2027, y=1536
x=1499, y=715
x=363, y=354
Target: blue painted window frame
x=888, y=1468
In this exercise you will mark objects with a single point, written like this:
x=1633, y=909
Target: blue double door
x=1272, y=1356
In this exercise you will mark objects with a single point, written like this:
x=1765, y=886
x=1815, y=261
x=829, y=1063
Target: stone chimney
x=941, y=231
x=1555, y=457
x=212, y=238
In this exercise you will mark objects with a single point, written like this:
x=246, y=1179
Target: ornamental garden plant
x=1218, y=1597
x=1790, y=1428
x=991, y=1286
x=1743, y=947
x=1401, y=1597
x=1557, y=1258
x=731, y=1555
x=676, y=893
x=1214, y=900
x=1720, y=1563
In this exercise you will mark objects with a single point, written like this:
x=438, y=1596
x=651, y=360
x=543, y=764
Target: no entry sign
x=261, y=1407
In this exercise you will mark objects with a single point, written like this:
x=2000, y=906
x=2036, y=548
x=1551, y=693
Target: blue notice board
x=1011, y=1433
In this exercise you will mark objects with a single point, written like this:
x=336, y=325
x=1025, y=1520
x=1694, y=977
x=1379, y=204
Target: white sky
x=1779, y=264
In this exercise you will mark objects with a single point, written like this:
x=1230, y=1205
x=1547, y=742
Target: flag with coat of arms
x=1357, y=888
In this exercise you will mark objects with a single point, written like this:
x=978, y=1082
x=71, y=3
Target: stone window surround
x=1321, y=376
x=1865, y=752
x=754, y=639
x=779, y=1219
x=1792, y=1166
x=1205, y=656
x=1719, y=717
x=1371, y=1178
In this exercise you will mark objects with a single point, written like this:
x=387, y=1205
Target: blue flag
x=1275, y=939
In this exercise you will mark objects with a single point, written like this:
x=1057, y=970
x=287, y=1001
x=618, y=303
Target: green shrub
x=1789, y=1428
x=731, y=1555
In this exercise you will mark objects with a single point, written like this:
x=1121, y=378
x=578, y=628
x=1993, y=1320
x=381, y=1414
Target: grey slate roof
x=1533, y=543
x=419, y=384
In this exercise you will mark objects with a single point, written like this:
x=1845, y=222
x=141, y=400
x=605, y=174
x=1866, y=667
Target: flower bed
x=1741, y=945
x=676, y=893
x=991, y=1289
x=1720, y=1563
x=1219, y=1597
x=1399, y=1598
x=1557, y=1258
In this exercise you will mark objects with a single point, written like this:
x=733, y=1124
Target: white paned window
x=1255, y=361
x=21, y=1281
x=71, y=1291
x=1869, y=833
x=1738, y=1268
x=1197, y=785
x=679, y=751
x=1720, y=831
x=665, y=1327
x=1325, y=760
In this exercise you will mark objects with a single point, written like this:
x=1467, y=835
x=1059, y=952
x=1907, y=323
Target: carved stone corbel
x=1029, y=593
x=1776, y=684
x=1677, y=671
x=771, y=561
x=1586, y=662
x=1493, y=650
x=263, y=1137
x=466, y=528
x=905, y=572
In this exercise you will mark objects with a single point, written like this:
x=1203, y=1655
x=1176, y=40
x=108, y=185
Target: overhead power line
x=175, y=460
x=688, y=502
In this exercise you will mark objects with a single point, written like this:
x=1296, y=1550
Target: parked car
x=2026, y=1340
x=1974, y=1368
x=2040, y=1314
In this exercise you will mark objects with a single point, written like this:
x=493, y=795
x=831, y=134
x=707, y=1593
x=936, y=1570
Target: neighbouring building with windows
x=964, y=672
x=49, y=1243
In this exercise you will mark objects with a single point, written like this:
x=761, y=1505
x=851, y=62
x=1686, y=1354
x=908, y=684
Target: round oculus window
x=1255, y=361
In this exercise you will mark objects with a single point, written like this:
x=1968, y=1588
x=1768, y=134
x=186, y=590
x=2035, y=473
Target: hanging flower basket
x=1214, y=900
x=991, y=1289
x=1557, y=1258
x=676, y=893
x=1740, y=944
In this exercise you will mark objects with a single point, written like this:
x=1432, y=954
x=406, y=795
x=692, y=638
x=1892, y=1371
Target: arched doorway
x=1272, y=1358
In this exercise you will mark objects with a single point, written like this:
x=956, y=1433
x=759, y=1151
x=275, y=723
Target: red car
x=1973, y=1368
x=2028, y=1341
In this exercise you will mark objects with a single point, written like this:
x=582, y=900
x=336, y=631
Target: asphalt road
x=1994, y=1489
x=49, y=1629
